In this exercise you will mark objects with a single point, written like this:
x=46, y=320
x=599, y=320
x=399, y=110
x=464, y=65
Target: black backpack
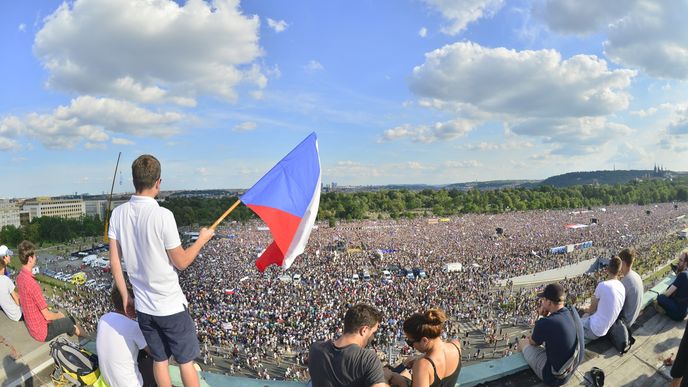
x=620, y=336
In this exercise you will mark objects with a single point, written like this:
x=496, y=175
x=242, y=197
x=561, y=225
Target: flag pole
x=223, y=216
x=109, y=205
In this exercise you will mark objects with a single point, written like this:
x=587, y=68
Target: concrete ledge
x=492, y=370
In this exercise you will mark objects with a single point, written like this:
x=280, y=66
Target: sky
x=398, y=91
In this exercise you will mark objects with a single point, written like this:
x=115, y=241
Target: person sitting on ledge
x=441, y=363
x=42, y=324
x=9, y=301
x=633, y=285
x=345, y=361
x=674, y=301
x=561, y=330
x=606, y=303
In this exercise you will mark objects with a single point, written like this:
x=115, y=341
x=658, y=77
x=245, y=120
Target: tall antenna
x=109, y=206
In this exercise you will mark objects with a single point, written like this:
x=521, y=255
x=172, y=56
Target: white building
x=9, y=213
x=46, y=206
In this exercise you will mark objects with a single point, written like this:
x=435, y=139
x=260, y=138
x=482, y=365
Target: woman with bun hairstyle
x=440, y=364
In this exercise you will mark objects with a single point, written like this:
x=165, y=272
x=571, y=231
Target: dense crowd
x=271, y=319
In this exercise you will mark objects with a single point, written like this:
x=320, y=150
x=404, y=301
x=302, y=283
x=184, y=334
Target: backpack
x=620, y=336
x=74, y=365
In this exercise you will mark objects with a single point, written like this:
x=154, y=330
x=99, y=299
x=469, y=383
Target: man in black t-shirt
x=555, y=363
x=345, y=362
x=674, y=301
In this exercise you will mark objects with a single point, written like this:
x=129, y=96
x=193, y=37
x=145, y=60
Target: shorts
x=173, y=335
x=60, y=326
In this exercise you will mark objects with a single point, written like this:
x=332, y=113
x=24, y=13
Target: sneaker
x=658, y=307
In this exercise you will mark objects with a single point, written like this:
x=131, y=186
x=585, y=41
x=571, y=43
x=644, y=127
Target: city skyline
x=413, y=92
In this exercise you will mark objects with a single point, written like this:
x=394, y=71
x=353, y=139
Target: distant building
x=62, y=208
x=99, y=207
x=9, y=213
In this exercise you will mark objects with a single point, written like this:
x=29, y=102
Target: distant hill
x=603, y=177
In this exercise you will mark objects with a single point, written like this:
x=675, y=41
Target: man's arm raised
x=181, y=259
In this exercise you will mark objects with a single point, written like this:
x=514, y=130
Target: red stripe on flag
x=283, y=225
x=271, y=255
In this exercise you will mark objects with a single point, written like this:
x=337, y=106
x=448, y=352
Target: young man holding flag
x=145, y=236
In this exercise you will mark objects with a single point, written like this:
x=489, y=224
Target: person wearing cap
x=561, y=333
x=9, y=300
x=606, y=304
x=6, y=255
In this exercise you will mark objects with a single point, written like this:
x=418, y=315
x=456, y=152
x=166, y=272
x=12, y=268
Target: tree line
x=193, y=211
x=48, y=229
x=408, y=204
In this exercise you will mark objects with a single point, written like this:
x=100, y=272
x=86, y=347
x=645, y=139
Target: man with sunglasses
x=561, y=332
x=345, y=361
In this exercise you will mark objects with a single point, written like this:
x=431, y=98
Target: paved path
x=558, y=274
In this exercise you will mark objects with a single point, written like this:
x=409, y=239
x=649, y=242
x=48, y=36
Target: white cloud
x=448, y=130
x=150, y=51
x=121, y=141
x=573, y=136
x=8, y=144
x=487, y=146
x=462, y=12
x=521, y=83
x=90, y=119
x=535, y=93
x=277, y=25
x=423, y=32
x=580, y=16
x=462, y=164
x=22, y=27
x=245, y=126
x=654, y=38
x=314, y=65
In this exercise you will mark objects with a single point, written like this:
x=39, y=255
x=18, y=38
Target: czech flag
x=287, y=199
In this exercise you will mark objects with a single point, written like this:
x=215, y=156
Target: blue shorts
x=173, y=335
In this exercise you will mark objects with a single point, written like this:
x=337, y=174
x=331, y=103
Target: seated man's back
x=612, y=295
x=347, y=366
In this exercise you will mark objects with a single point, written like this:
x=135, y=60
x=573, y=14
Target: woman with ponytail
x=440, y=364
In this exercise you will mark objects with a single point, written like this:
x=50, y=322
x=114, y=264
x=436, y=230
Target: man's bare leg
x=162, y=373
x=189, y=375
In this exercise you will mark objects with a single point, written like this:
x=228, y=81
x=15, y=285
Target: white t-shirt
x=611, y=295
x=118, y=342
x=145, y=231
x=11, y=309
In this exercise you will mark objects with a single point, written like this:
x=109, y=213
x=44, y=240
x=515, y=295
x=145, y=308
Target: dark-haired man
x=42, y=324
x=606, y=303
x=119, y=341
x=145, y=236
x=559, y=330
x=674, y=301
x=345, y=361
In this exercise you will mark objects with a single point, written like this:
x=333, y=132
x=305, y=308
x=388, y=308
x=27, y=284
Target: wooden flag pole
x=223, y=216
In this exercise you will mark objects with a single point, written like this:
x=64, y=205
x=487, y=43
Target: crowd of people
x=262, y=324
x=235, y=306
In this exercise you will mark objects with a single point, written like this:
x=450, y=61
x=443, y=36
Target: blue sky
x=417, y=91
